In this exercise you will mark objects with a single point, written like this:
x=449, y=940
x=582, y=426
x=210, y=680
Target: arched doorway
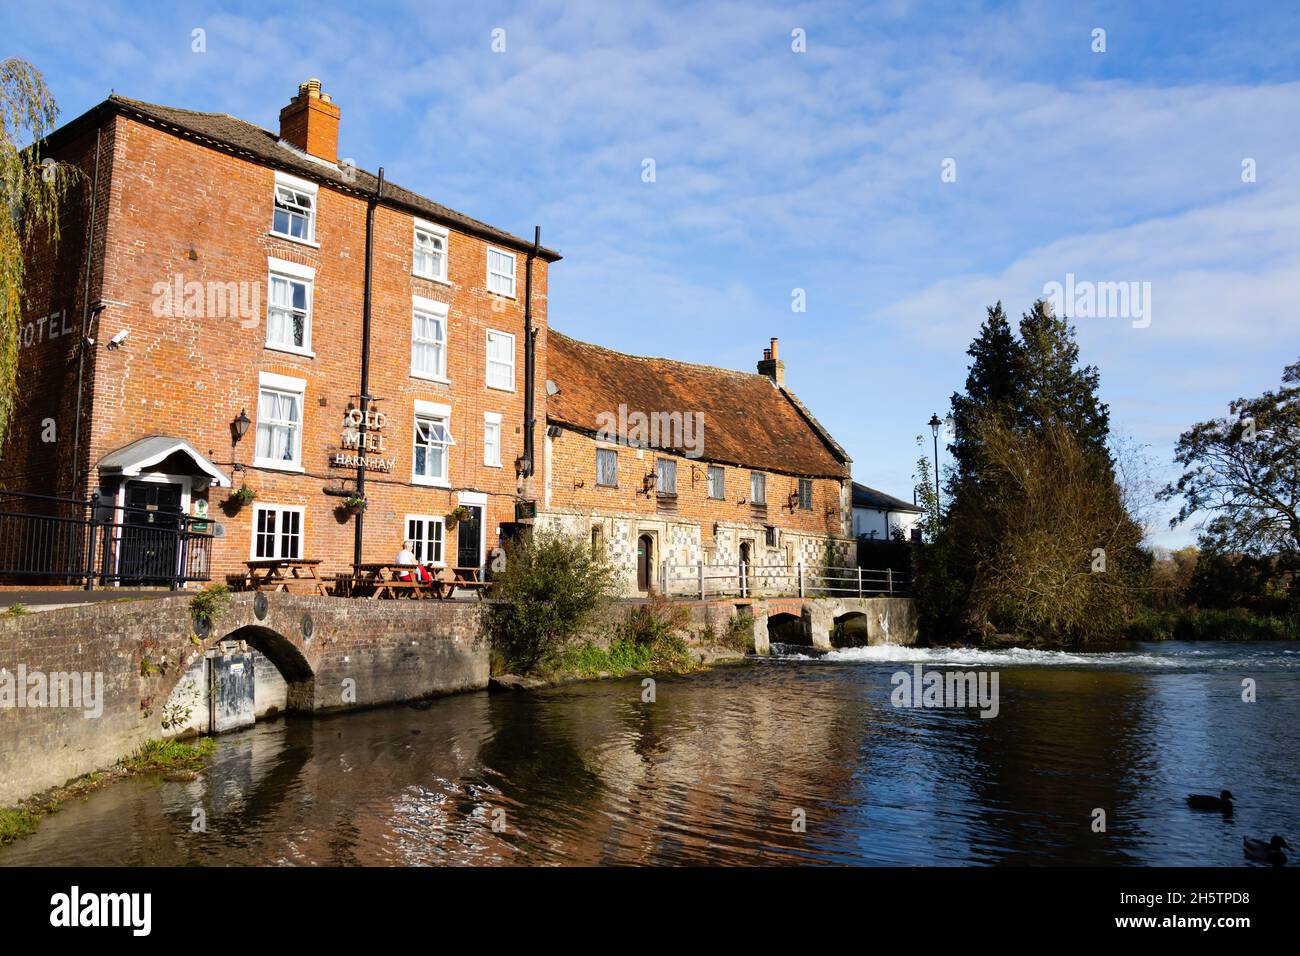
x=746, y=553
x=645, y=546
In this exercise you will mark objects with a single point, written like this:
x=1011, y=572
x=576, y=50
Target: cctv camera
x=119, y=338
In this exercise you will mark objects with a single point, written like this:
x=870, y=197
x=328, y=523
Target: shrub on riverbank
x=1208, y=624
x=550, y=588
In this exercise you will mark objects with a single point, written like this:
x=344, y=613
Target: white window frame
x=487, y=363
x=758, y=479
x=492, y=420
x=432, y=410
x=291, y=272
x=511, y=275
x=307, y=187
x=260, y=507
x=441, y=232
x=438, y=311
x=286, y=384
x=442, y=537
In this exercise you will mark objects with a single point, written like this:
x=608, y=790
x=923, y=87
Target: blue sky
x=820, y=171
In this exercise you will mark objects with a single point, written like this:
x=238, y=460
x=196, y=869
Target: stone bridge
x=830, y=622
x=331, y=653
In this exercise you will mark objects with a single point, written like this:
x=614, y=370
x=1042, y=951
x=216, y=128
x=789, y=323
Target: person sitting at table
x=407, y=557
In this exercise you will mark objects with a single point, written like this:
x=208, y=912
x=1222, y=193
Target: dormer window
x=295, y=208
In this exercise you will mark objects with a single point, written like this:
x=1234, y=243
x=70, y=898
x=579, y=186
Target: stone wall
x=331, y=654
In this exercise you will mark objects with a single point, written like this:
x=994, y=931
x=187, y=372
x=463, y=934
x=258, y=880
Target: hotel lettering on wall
x=359, y=449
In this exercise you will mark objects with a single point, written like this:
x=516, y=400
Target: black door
x=469, y=534
x=150, y=533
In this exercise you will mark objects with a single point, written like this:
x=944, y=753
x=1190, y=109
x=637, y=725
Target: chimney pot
x=311, y=122
x=771, y=366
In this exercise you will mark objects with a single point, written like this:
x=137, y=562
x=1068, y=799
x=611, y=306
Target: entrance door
x=744, y=569
x=150, y=533
x=469, y=538
x=644, y=561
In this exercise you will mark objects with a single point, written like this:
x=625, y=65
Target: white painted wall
x=867, y=520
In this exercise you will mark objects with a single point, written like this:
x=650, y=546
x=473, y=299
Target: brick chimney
x=771, y=366
x=311, y=122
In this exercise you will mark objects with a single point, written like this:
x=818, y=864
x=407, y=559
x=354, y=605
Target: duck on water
x=1203, y=801
x=1270, y=852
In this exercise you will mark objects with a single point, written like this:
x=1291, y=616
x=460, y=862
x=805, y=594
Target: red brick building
x=675, y=470
x=223, y=286
x=220, y=274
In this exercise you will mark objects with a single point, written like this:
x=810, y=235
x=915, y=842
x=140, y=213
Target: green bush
x=739, y=635
x=657, y=626
x=210, y=604
x=549, y=588
x=1211, y=624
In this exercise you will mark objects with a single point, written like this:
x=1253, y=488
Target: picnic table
x=385, y=579
x=284, y=574
x=471, y=579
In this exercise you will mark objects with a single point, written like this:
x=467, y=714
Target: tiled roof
x=864, y=497
x=224, y=131
x=749, y=421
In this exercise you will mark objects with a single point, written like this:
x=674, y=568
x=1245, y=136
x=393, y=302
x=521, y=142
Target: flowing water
x=721, y=766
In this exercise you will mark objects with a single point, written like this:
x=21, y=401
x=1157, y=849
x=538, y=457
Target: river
x=721, y=767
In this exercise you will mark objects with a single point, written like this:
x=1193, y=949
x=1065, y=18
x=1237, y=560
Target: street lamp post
x=934, y=428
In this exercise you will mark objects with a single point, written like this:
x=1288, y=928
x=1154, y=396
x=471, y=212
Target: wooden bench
x=385, y=580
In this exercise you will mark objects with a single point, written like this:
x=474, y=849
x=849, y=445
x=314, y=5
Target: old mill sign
x=363, y=450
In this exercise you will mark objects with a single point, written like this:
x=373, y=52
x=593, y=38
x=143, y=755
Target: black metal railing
x=49, y=540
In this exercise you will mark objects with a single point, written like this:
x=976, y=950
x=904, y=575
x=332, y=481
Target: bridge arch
x=784, y=627
x=288, y=658
x=850, y=629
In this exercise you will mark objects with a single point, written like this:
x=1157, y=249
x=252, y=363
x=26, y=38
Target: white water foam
x=1164, y=658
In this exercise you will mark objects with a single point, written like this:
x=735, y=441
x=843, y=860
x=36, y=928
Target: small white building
x=877, y=516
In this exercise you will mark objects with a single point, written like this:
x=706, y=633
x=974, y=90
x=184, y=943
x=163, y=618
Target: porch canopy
x=162, y=453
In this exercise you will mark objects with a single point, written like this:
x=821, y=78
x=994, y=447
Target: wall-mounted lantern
x=239, y=427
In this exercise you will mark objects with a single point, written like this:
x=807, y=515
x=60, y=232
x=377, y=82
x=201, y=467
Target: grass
x=1196, y=624
x=155, y=756
x=17, y=609
x=168, y=755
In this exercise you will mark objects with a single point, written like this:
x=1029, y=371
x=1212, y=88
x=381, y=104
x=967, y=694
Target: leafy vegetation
x=739, y=635
x=1211, y=624
x=35, y=190
x=17, y=609
x=1036, y=539
x=550, y=588
x=209, y=604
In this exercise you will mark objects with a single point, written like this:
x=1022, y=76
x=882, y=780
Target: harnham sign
x=367, y=450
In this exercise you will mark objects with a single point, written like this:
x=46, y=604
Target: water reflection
x=717, y=770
